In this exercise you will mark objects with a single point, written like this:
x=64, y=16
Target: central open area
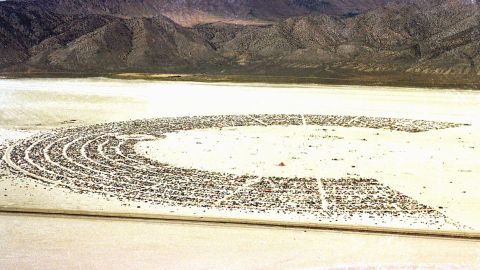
x=312, y=151
x=421, y=164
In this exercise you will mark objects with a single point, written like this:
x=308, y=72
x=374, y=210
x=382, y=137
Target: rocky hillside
x=440, y=37
x=192, y=12
x=34, y=39
x=409, y=38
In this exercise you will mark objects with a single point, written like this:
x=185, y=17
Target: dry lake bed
x=375, y=158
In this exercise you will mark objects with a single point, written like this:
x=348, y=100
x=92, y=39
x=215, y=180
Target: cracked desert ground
x=437, y=170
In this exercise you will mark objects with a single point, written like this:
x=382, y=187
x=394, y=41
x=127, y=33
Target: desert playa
x=347, y=156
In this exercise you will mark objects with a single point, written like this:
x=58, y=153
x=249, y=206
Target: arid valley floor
x=379, y=158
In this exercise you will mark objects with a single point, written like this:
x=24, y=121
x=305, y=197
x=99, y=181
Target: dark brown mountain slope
x=136, y=44
x=192, y=12
x=406, y=38
x=431, y=37
x=34, y=39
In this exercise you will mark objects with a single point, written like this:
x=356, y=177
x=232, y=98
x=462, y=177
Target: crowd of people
x=102, y=159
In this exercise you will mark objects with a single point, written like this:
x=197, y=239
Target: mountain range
x=386, y=39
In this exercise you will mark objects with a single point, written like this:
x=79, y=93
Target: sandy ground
x=37, y=103
x=32, y=242
x=34, y=105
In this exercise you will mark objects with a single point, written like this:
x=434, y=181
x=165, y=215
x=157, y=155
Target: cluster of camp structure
x=101, y=159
